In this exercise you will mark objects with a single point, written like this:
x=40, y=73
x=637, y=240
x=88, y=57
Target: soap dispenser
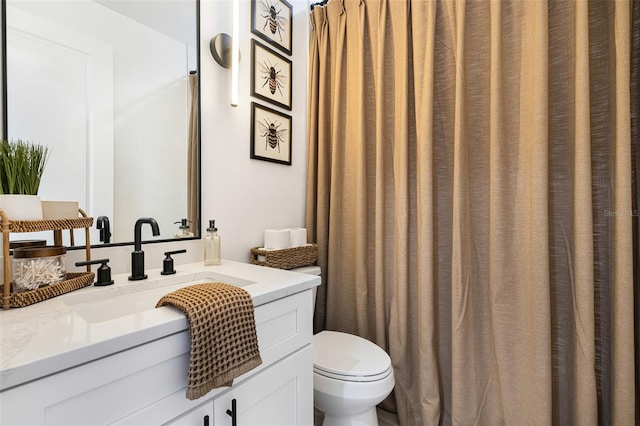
x=184, y=230
x=212, y=245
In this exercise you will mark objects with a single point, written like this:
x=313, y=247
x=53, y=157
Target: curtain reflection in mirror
x=192, y=155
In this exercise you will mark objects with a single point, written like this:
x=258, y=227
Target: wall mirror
x=111, y=87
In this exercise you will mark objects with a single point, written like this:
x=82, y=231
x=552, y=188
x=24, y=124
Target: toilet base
x=368, y=418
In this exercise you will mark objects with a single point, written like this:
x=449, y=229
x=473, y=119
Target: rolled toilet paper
x=298, y=237
x=277, y=239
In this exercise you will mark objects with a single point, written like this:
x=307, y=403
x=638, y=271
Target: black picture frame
x=270, y=76
x=272, y=21
x=270, y=135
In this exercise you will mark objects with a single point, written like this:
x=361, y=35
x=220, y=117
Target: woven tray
x=286, y=258
x=49, y=224
x=74, y=281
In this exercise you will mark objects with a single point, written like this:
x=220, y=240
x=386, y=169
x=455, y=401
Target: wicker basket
x=290, y=258
x=73, y=281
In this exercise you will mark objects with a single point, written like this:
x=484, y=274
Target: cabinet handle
x=232, y=413
x=206, y=420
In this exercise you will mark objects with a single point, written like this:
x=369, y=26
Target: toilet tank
x=310, y=270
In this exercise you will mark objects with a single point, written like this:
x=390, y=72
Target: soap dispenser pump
x=184, y=230
x=212, y=245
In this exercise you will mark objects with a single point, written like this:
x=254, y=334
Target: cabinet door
x=201, y=416
x=164, y=413
x=281, y=395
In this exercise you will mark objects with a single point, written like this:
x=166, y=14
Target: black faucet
x=137, y=256
x=102, y=223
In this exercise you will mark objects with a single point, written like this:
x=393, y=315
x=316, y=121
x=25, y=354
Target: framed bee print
x=270, y=135
x=271, y=21
x=270, y=76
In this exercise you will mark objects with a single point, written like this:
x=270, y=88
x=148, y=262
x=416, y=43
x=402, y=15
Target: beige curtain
x=192, y=156
x=635, y=136
x=470, y=190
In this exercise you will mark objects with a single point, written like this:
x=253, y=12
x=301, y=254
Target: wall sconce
x=225, y=50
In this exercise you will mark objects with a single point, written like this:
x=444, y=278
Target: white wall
x=246, y=196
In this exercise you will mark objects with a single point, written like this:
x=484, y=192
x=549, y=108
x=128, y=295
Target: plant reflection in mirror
x=21, y=166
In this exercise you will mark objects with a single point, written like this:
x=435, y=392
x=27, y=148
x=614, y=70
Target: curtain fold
x=471, y=189
x=635, y=136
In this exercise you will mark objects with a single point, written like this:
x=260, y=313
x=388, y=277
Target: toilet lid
x=349, y=357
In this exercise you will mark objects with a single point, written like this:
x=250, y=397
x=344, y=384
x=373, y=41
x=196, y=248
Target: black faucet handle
x=167, y=263
x=103, y=273
x=169, y=253
x=102, y=223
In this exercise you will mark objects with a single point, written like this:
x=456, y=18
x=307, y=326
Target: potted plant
x=21, y=167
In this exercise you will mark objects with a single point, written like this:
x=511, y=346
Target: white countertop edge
x=18, y=368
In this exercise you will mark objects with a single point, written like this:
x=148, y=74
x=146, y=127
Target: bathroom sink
x=101, y=304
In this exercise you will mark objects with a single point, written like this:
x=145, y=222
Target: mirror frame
x=5, y=130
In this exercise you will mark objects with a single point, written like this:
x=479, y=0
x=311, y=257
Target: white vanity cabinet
x=145, y=385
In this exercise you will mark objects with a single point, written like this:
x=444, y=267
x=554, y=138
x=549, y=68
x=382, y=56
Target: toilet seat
x=347, y=357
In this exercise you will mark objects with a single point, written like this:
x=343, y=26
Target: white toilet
x=351, y=375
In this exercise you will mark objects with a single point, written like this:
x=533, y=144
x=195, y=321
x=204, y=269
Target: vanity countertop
x=94, y=322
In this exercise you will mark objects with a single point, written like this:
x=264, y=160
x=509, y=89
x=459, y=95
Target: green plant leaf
x=21, y=166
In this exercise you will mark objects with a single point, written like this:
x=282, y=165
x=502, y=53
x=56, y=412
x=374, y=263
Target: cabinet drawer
x=112, y=388
x=284, y=326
